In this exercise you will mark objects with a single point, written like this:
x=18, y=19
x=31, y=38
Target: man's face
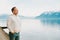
x=15, y=11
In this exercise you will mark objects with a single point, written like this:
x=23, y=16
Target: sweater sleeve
x=9, y=23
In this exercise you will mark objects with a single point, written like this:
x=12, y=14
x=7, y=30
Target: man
x=14, y=24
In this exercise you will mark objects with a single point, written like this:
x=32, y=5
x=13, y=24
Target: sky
x=29, y=8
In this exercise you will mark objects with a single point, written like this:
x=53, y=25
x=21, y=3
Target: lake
x=35, y=29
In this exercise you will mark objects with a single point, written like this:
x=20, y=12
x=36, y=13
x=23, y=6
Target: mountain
x=49, y=15
x=5, y=16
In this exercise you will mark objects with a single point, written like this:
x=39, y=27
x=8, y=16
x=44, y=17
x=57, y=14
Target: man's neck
x=15, y=14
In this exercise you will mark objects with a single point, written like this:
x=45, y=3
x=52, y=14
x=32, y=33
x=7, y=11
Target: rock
x=3, y=35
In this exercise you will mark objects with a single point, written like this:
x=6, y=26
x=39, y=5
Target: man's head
x=14, y=10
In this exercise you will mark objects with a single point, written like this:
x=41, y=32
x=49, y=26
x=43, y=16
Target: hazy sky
x=29, y=7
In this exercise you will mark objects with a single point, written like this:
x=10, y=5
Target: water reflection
x=50, y=21
x=33, y=29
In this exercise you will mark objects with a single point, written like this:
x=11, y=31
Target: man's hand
x=16, y=30
x=12, y=32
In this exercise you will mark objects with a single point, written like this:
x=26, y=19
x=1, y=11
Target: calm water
x=34, y=29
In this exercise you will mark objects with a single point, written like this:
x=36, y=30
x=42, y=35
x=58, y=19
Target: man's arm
x=9, y=22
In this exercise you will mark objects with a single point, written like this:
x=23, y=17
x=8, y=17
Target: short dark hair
x=13, y=9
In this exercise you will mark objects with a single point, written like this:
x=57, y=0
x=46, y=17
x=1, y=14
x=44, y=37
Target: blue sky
x=29, y=8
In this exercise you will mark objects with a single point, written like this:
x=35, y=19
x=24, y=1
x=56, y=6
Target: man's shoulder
x=10, y=16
